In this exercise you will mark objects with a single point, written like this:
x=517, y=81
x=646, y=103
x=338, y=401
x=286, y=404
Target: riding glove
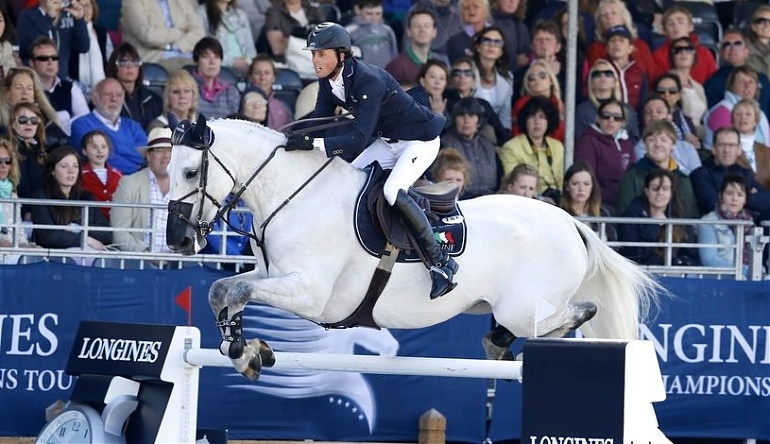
x=299, y=142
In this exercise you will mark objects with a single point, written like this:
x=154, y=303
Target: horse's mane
x=244, y=122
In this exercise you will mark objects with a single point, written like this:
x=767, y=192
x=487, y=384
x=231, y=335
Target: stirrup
x=441, y=276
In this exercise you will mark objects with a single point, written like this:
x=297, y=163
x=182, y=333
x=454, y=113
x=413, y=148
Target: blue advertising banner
x=711, y=340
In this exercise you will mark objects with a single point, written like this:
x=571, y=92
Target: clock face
x=71, y=427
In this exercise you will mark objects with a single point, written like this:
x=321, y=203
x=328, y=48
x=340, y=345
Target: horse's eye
x=190, y=174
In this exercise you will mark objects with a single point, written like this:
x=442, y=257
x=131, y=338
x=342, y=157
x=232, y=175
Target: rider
x=389, y=127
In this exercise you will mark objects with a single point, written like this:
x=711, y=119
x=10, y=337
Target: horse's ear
x=201, y=134
x=172, y=121
x=201, y=121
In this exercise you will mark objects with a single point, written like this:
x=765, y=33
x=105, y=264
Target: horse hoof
x=250, y=365
x=494, y=352
x=265, y=353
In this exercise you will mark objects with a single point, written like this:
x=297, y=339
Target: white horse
x=537, y=269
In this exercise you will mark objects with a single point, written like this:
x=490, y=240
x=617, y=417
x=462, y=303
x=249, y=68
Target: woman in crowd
x=180, y=98
x=658, y=200
x=432, y=81
x=494, y=83
x=28, y=138
x=89, y=68
x=538, y=118
x=606, y=149
x=730, y=206
x=63, y=182
x=603, y=85
x=229, y=24
x=22, y=85
x=669, y=86
x=582, y=197
x=7, y=40
x=9, y=181
x=254, y=106
x=522, y=181
x=683, y=59
x=480, y=152
x=755, y=155
x=140, y=103
x=539, y=81
x=451, y=166
x=759, y=40
x=218, y=98
x=262, y=75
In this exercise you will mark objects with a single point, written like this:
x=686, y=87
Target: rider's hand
x=299, y=142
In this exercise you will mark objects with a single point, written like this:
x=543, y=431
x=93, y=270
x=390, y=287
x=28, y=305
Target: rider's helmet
x=328, y=35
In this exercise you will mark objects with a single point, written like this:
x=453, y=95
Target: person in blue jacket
x=390, y=127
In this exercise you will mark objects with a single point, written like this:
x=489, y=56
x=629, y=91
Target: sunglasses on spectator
x=611, y=116
x=462, y=72
x=493, y=42
x=124, y=63
x=46, y=58
x=728, y=44
x=603, y=73
x=683, y=49
x=539, y=75
x=5, y=161
x=667, y=91
x=24, y=120
x=762, y=21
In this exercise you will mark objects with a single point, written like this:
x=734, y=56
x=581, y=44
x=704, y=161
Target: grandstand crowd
x=671, y=116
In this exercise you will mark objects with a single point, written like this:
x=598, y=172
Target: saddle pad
x=449, y=230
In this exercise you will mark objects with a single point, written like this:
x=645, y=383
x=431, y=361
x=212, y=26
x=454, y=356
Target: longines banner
x=711, y=340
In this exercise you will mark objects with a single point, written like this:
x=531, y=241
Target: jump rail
x=382, y=365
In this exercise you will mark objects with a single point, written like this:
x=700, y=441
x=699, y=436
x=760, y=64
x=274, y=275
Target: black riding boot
x=443, y=267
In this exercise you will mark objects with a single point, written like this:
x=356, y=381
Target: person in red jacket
x=633, y=80
x=99, y=178
x=677, y=23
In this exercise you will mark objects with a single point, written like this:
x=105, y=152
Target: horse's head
x=195, y=194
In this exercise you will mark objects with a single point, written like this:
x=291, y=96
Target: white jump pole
x=382, y=365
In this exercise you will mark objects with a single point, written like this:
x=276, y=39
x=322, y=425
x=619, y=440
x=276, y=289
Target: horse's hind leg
x=497, y=344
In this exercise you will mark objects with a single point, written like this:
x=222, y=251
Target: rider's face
x=324, y=62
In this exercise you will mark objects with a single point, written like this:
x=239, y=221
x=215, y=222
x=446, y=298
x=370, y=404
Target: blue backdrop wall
x=711, y=340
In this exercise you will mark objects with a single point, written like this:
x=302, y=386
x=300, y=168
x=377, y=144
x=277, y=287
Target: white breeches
x=407, y=158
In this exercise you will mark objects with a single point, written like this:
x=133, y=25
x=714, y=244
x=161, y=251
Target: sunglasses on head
x=602, y=73
x=683, y=49
x=462, y=72
x=24, y=120
x=493, y=42
x=5, y=161
x=46, y=58
x=667, y=91
x=611, y=116
x=537, y=75
x=736, y=44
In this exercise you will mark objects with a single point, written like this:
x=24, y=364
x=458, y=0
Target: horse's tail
x=623, y=292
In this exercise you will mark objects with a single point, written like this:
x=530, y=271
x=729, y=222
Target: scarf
x=217, y=86
x=6, y=191
x=742, y=215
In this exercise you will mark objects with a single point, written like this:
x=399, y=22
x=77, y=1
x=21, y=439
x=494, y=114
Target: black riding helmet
x=328, y=35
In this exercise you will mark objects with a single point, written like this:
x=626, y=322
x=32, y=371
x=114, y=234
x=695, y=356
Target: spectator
x=218, y=98
x=708, y=179
x=22, y=85
x=125, y=133
x=451, y=166
x=669, y=86
x=463, y=83
x=657, y=200
x=731, y=205
x=475, y=16
x=759, y=40
x=677, y=23
x=65, y=95
x=603, y=85
x=149, y=185
x=63, y=182
x=254, y=106
x=9, y=182
x=611, y=13
x=521, y=181
x=229, y=24
x=683, y=60
x=27, y=134
x=547, y=46
x=89, y=67
x=633, y=80
x=734, y=52
x=754, y=155
x=606, y=149
x=539, y=81
x=432, y=82
x=743, y=83
x=52, y=19
x=685, y=154
x=99, y=178
x=256, y=11
x=371, y=34
x=162, y=31
x=447, y=21
x=140, y=104
x=582, y=197
x=494, y=83
x=581, y=64
x=281, y=21
x=509, y=16
x=539, y=119
x=464, y=135
x=180, y=98
x=421, y=30
x=659, y=139
x=262, y=75
x=7, y=39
